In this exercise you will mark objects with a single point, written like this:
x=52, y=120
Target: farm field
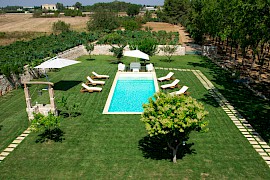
x=25, y=22
x=98, y=146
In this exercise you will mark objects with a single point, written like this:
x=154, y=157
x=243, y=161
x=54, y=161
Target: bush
x=146, y=45
x=131, y=25
x=72, y=13
x=60, y=26
x=37, y=13
x=103, y=21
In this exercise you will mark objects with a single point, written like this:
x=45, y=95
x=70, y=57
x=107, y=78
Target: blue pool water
x=131, y=93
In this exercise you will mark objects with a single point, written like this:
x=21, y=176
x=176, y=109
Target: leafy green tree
x=147, y=16
x=118, y=51
x=103, y=21
x=89, y=48
x=133, y=10
x=131, y=25
x=68, y=109
x=173, y=117
x=60, y=27
x=176, y=10
x=37, y=14
x=46, y=124
x=60, y=6
x=146, y=45
x=78, y=5
x=169, y=50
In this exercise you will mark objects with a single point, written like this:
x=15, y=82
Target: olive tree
x=174, y=117
x=60, y=26
x=48, y=125
x=103, y=21
x=169, y=50
x=89, y=48
x=146, y=45
x=133, y=10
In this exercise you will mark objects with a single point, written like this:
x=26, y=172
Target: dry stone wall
x=105, y=50
x=73, y=53
x=7, y=85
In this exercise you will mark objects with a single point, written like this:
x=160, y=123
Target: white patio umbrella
x=136, y=54
x=56, y=63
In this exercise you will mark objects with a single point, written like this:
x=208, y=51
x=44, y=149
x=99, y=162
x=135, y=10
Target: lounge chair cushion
x=90, y=89
x=91, y=81
x=167, y=77
x=183, y=90
x=99, y=75
x=171, y=85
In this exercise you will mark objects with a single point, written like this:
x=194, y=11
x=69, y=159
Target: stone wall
x=73, y=53
x=7, y=85
x=105, y=50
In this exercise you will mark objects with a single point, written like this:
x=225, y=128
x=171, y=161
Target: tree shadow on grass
x=1, y=126
x=209, y=99
x=156, y=148
x=114, y=61
x=65, y=85
x=254, y=109
x=65, y=114
x=166, y=60
x=90, y=59
x=55, y=135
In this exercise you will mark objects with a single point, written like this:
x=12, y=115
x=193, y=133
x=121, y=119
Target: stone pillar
x=51, y=94
x=27, y=97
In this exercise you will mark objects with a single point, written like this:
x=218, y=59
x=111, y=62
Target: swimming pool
x=129, y=91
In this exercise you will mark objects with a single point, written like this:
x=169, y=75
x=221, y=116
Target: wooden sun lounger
x=93, y=82
x=167, y=77
x=99, y=76
x=172, y=85
x=90, y=89
x=183, y=90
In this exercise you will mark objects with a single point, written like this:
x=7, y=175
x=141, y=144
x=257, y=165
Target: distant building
x=149, y=9
x=72, y=8
x=51, y=7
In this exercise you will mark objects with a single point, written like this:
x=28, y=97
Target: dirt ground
x=25, y=22
x=184, y=38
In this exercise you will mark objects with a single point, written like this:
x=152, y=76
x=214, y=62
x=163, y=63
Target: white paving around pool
x=151, y=75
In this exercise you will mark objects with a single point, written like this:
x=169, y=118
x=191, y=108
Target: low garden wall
x=7, y=85
x=105, y=50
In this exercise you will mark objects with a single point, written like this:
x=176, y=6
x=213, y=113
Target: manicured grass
x=98, y=146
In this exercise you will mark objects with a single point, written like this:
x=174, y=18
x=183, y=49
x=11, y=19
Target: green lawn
x=98, y=146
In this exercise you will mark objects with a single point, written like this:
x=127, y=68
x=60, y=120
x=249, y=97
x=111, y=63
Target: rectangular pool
x=129, y=91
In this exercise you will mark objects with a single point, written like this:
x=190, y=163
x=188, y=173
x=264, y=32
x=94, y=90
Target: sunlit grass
x=98, y=146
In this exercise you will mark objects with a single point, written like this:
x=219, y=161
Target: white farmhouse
x=51, y=7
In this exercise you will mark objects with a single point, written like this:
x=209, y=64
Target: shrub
x=103, y=21
x=37, y=13
x=60, y=27
x=131, y=25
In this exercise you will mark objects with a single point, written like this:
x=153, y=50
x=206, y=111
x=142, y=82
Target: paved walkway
x=14, y=144
x=241, y=123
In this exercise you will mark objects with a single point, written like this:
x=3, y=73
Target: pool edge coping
x=108, y=101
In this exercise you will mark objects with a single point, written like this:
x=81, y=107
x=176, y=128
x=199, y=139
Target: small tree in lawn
x=173, y=117
x=46, y=124
x=169, y=50
x=118, y=51
x=89, y=48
